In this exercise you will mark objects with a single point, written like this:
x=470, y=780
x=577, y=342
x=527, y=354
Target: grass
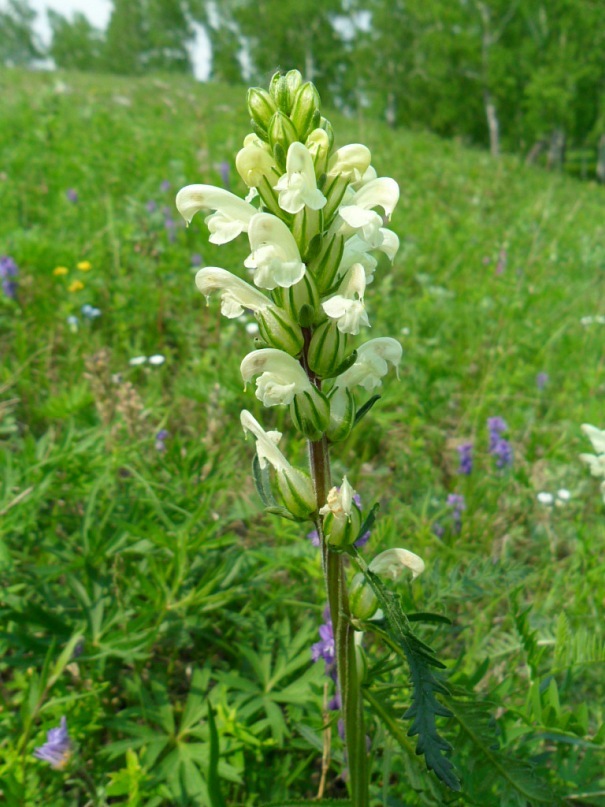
x=158, y=571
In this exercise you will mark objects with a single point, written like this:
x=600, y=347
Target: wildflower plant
x=316, y=217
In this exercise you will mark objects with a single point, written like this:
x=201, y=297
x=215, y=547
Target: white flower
x=136, y=361
x=545, y=498
x=275, y=256
x=236, y=294
x=563, y=497
x=372, y=363
x=392, y=562
x=232, y=215
x=596, y=437
x=254, y=162
x=356, y=250
x=347, y=306
x=358, y=213
x=157, y=359
x=294, y=485
x=350, y=162
x=281, y=376
x=339, y=501
x=298, y=186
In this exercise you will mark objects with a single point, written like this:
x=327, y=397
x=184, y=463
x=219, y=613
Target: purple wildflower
x=313, y=536
x=325, y=648
x=165, y=186
x=151, y=206
x=72, y=195
x=438, y=530
x=8, y=270
x=170, y=225
x=335, y=704
x=196, y=259
x=160, y=440
x=57, y=748
x=456, y=502
x=224, y=170
x=499, y=447
x=541, y=380
x=465, y=452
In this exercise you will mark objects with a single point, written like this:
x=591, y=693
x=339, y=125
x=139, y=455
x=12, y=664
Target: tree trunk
x=493, y=123
x=534, y=152
x=556, y=151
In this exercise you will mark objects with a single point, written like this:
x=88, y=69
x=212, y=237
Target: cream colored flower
x=232, y=215
x=298, y=186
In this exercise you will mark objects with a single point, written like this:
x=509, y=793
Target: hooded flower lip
x=57, y=748
x=232, y=215
x=359, y=213
x=372, y=363
x=356, y=250
x=351, y=162
x=298, y=186
x=281, y=376
x=275, y=256
x=347, y=306
x=236, y=294
x=339, y=501
x=254, y=162
x=392, y=562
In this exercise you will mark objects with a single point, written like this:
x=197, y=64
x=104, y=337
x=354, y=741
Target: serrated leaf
x=421, y=660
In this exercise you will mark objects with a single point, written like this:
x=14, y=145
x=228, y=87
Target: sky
x=98, y=12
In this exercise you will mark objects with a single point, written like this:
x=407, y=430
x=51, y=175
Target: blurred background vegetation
x=525, y=76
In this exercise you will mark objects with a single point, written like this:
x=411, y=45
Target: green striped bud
x=261, y=107
x=324, y=266
x=305, y=110
x=334, y=191
x=342, y=414
x=362, y=600
x=342, y=531
x=327, y=349
x=310, y=413
x=282, y=134
x=303, y=293
x=279, y=330
x=297, y=492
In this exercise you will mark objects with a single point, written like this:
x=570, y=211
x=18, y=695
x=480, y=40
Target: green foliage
x=75, y=44
x=19, y=46
x=139, y=585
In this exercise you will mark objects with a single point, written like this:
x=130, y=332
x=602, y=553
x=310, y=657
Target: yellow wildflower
x=84, y=266
x=60, y=270
x=75, y=285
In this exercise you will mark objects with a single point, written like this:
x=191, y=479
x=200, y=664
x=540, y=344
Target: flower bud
x=305, y=110
x=303, y=293
x=293, y=81
x=334, y=191
x=279, y=330
x=342, y=414
x=327, y=349
x=255, y=161
x=261, y=107
x=297, y=492
x=324, y=265
x=362, y=600
x=325, y=124
x=342, y=517
x=318, y=144
x=310, y=413
x=282, y=134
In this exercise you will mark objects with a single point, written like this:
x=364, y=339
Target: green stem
x=346, y=662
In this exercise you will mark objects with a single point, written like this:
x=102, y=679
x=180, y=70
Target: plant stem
x=346, y=662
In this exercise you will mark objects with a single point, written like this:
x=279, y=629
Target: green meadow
x=140, y=580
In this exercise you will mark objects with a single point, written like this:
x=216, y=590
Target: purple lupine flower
x=499, y=447
x=313, y=536
x=57, y=748
x=196, y=259
x=325, y=648
x=224, y=170
x=541, y=380
x=8, y=271
x=465, y=453
x=437, y=530
x=165, y=186
x=170, y=225
x=335, y=703
x=72, y=195
x=456, y=502
x=151, y=206
x=160, y=440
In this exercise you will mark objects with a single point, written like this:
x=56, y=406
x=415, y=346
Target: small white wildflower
x=136, y=361
x=545, y=498
x=157, y=359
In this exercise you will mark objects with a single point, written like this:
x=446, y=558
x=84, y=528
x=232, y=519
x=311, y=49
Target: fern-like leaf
x=422, y=662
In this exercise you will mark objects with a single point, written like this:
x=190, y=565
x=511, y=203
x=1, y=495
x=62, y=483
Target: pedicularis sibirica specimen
x=316, y=217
